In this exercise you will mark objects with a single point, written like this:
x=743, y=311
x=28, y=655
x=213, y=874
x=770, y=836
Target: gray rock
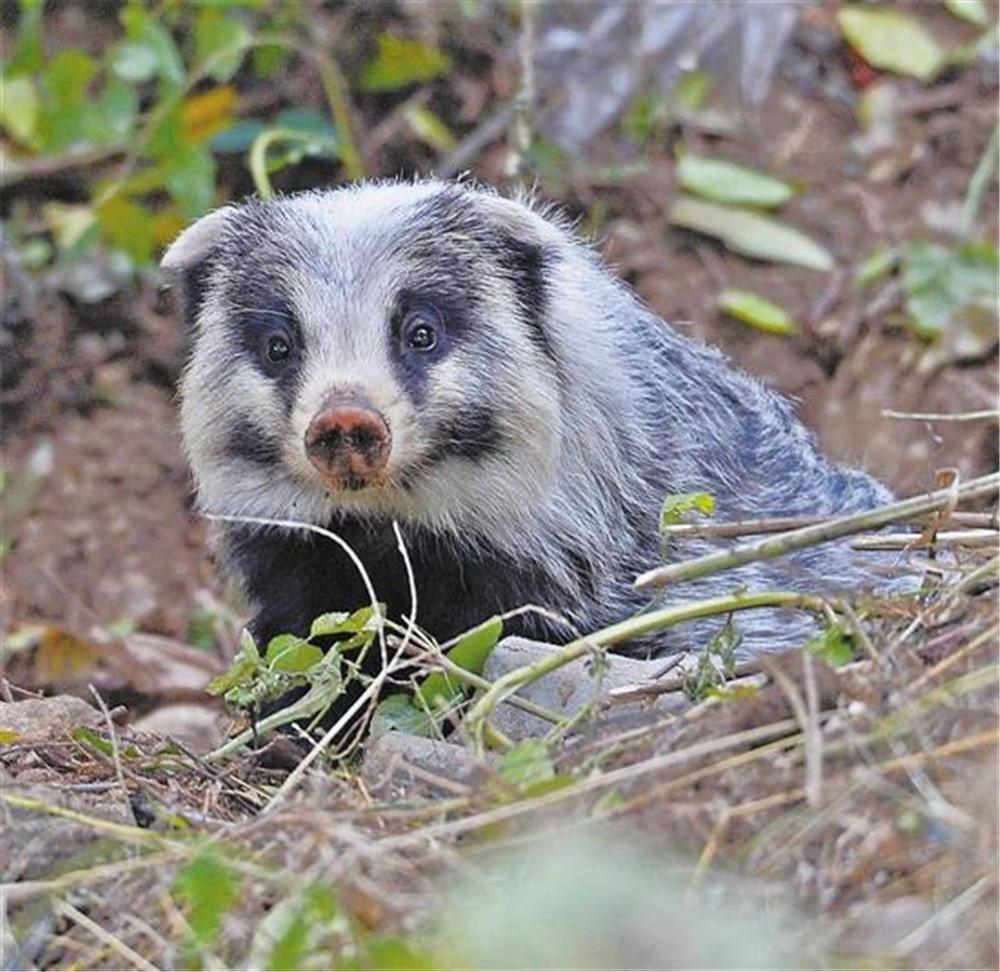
x=400, y=761
x=570, y=688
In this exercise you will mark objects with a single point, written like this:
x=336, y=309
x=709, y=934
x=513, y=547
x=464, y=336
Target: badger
x=438, y=356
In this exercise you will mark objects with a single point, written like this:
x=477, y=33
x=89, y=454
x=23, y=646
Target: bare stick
x=986, y=413
x=65, y=910
x=781, y=524
x=907, y=541
x=809, y=536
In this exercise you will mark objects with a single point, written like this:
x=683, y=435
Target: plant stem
x=624, y=631
x=977, y=185
x=809, y=536
x=334, y=88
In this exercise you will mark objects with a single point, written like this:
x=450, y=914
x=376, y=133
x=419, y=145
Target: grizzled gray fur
x=438, y=355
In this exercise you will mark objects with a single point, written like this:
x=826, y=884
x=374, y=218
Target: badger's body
x=440, y=356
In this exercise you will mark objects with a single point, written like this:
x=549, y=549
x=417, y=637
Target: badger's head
x=380, y=350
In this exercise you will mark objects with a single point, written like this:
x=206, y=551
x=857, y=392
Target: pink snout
x=348, y=441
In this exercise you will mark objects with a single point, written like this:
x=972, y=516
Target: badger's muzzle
x=348, y=441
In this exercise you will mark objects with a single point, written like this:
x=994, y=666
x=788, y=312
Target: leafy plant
x=290, y=662
x=716, y=664
x=676, y=505
x=440, y=691
x=947, y=288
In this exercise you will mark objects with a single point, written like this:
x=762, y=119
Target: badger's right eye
x=278, y=348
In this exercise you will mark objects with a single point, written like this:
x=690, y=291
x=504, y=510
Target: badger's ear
x=198, y=241
x=189, y=258
x=524, y=245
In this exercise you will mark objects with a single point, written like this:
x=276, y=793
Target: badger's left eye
x=278, y=348
x=421, y=329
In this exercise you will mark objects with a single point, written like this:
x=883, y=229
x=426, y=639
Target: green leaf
x=67, y=222
x=473, y=648
x=117, y=111
x=243, y=669
x=750, y=233
x=757, y=311
x=401, y=61
x=892, y=40
x=221, y=42
x=289, y=653
x=716, y=663
x=128, y=227
x=306, y=120
x=726, y=182
x=429, y=128
x=29, y=54
x=527, y=764
x=238, y=138
x=397, y=712
x=296, y=927
x=88, y=738
x=692, y=90
x=945, y=287
x=19, y=108
x=134, y=61
x=881, y=263
x=397, y=955
x=143, y=27
x=189, y=176
x=677, y=504
x=971, y=11
x=833, y=645
x=365, y=619
x=68, y=75
x=208, y=887
x=268, y=60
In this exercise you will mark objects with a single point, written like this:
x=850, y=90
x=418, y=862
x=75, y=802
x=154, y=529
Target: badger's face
x=380, y=350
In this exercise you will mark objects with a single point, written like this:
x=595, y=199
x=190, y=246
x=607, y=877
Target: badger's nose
x=348, y=441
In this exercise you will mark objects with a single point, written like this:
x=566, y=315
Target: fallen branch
x=911, y=541
x=781, y=524
x=832, y=529
x=984, y=414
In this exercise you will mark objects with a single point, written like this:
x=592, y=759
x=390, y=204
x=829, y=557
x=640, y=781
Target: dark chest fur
x=293, y=578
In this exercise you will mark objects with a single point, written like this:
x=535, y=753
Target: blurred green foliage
x=145, y=123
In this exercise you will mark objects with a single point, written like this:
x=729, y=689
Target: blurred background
x=811, y=186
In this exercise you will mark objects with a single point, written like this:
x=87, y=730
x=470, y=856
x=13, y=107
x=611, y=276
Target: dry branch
x=832, y=529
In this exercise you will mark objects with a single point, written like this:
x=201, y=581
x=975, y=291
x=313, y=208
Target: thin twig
x=980, y=416
x=912, y=541
x=115, y=752
x=832, y=529
x=65, y=910
x=807, y=716
x=753, y=736
x=781, y=524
